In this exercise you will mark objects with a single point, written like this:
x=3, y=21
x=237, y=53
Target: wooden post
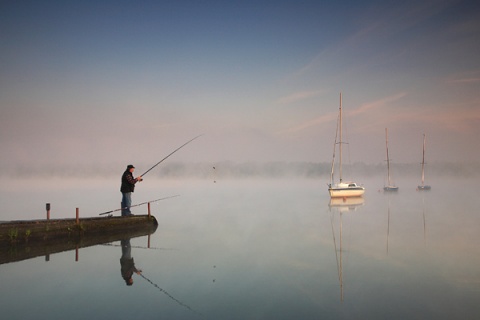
x=77, y=215
x=48, y=210
x=148, y=244
x=76, y=254
x=149, y=210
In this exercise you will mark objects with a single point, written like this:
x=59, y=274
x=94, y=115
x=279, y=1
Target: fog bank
x=241, y=170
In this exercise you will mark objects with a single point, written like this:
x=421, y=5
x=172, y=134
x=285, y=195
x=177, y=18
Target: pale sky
x=86, y=82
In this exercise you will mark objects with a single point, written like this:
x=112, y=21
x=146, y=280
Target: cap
x=130, y=166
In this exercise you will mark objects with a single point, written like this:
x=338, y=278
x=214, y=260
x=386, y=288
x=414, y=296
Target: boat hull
x=390, y=189
x=424, y=188
x=339, y=192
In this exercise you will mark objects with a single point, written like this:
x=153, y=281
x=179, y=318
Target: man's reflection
x=126, y=262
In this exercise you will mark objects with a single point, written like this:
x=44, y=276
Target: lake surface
x=256, y=249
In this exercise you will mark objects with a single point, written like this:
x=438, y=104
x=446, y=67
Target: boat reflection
x=388, y=223
x=340, y=206
x=424, y=210
x=346, y=204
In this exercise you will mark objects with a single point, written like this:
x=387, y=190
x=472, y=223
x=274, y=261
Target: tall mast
x=333, y=158
x=423, y=160
x=340, y=127
x=388, y=159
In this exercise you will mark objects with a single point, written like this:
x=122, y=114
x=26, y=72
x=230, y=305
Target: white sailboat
x=423, y=186
x=389, y=187
x=342, y=189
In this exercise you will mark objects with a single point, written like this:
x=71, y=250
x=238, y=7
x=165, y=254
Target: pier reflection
x=32, y=249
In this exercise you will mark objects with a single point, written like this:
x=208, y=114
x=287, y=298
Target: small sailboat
x=342, y=189
x=389, y=187
x=423, y=186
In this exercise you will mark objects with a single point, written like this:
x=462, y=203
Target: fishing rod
x=136, y=205
x=183, y=145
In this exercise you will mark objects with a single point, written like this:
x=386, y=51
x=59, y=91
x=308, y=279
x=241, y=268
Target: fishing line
x=139, y=247
x=140, y=204
x=169, y=295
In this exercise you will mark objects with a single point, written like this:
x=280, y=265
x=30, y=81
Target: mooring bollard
x=77, y=214
x=48, y=210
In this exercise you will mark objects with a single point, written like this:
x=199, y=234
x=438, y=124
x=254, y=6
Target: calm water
x=256, y=250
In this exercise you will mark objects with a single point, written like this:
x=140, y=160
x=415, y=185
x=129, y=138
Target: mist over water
x=96, y=189
x=238, y=170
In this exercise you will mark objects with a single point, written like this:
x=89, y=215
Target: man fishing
x=128, y=186
x=128, y=181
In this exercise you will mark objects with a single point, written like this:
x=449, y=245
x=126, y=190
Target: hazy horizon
x=233, y=170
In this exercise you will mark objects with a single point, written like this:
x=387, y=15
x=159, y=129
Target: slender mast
x=333, y=158
x=340, y=159
x=423, y=161
x=388, y=159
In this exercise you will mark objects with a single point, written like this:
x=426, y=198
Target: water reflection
x=424, y=221
x=127, y=263
x=346, y=204
x=168, y=294
x=340, y=206
x=273, y=252
x=47, y=247
x=399, y=216
x=128, y=268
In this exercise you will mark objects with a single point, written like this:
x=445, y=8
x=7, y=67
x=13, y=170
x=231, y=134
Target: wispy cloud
x=465, y=77
x=376, y=22
x=310, y=123
x=332, y=116
x=465, y=80
x=455, y=120
x=369, y=106
x=298, y=96
x=462, y=119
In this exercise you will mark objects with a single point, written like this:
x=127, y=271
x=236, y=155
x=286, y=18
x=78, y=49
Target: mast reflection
x=340, y=206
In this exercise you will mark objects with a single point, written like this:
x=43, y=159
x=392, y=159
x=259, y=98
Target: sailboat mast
x=340, y=147
x=423, y=161
x=333, y=158
x=388, y=159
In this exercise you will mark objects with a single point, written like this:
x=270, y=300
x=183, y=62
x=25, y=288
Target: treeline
x=234, y=170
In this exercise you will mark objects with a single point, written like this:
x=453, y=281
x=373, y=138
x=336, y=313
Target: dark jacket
x=128, y=182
